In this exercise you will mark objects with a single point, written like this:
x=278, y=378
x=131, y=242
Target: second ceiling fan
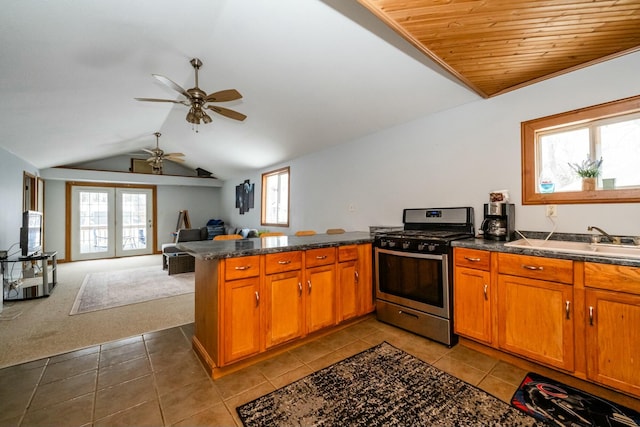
x=198, y=100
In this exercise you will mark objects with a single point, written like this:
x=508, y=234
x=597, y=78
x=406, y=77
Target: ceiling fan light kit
x=158, y=156
x=197, y=99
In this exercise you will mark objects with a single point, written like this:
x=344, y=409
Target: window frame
x=263, y=210
x=531, y=128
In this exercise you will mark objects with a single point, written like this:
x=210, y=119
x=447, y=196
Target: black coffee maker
x=499, y=221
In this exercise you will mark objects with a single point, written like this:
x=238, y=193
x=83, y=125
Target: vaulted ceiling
x=313, y=73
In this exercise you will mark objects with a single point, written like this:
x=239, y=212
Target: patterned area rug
x=381, y=386
x=110, y=289
x=562, y=405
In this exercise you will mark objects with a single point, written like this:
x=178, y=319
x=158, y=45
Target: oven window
x=417, y=279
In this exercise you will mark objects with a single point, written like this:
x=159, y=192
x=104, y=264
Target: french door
x=111, y=222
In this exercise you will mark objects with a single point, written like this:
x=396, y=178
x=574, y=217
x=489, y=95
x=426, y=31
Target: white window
x=615, y=140
x=275, y=198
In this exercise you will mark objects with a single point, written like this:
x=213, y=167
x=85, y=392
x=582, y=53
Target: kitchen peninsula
x=261, y=295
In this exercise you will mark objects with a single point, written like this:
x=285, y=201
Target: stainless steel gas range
x=414, y=271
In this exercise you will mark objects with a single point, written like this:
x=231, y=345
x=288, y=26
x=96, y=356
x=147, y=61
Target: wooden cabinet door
x=472, y=303
x=613, y=339
x=364, y=277
x=321, y=297
x=535, y=320
x=283, y=307
x=348, y=292
x=241, y=319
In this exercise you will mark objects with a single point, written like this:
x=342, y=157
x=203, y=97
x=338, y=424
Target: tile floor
x=156, y=380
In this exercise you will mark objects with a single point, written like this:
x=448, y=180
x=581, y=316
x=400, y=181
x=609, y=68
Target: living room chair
x=305, y=233
x=228, y=237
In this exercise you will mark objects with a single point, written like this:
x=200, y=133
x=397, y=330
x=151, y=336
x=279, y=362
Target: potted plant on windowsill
x=588, y=170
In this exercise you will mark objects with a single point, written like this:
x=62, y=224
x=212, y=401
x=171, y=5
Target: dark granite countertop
x=495, y=246
x=216, y=249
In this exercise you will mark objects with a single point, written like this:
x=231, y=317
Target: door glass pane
x=94, y=225
x=134, y=220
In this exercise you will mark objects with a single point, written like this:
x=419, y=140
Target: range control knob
x=392, y=244
x=421, y=246
x=383, y=243
x=432, y=248
x=405, y=245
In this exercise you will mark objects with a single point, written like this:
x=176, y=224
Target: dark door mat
x=562, y=405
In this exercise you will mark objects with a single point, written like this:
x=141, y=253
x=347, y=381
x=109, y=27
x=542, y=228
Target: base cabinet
x=472, y=293
x=248, y=305
x=355, y=289
x=612, y=305
x=533, y=320
x=320, y=278
x=533, y=314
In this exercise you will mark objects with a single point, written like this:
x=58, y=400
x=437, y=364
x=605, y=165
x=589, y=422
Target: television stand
x=23, y=277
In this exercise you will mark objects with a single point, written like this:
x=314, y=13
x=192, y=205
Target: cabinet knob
x=321, y=257
x=284, y=261
x=243, y=267
x=472, y=259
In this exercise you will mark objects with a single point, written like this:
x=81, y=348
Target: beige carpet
x=115, y=288
x=34, y=329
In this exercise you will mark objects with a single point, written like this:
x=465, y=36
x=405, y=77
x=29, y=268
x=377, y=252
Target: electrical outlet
x=352, y=207
x=552, y=211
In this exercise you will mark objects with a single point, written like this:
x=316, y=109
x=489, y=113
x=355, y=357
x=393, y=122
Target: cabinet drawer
x=242, y=267
x=322, y=256
x=472, y=258
x=550, y=269
x=283, y=261
x=347, y=253
x=612, y=277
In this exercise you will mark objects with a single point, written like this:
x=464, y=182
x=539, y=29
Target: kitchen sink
x=583, y=248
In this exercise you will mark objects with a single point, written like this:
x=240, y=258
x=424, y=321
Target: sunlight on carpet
x=110, y=289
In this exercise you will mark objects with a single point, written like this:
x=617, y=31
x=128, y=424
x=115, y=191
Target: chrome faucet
x=613, y=239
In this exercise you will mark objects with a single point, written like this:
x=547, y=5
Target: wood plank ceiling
x=495, y=46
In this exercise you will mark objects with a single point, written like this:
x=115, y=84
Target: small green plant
x=588, y=168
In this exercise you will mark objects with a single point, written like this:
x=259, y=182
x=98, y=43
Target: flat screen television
x=31, y=233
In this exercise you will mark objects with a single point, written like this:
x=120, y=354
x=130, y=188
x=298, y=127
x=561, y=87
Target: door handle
x=299, y=288
x=472, y=259
x=321, y=257
x=533, y=267
x=257, y=299
x=284, y=261
x=357, y=277
x=243, y=267
x=590, y=316
x=309, y=286
x=486, y=297
x=566, y=308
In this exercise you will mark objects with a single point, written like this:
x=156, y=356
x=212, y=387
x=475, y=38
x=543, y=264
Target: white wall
x=454, y=158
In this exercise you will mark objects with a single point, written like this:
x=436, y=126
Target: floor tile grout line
x=33, y=392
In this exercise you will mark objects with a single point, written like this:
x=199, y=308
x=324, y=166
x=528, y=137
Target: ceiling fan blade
x=148, y=151
x=173, y=85
x=227, y=112
x=175, y=159
x=174, y=154
x=161, y=100
x=223, y=96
